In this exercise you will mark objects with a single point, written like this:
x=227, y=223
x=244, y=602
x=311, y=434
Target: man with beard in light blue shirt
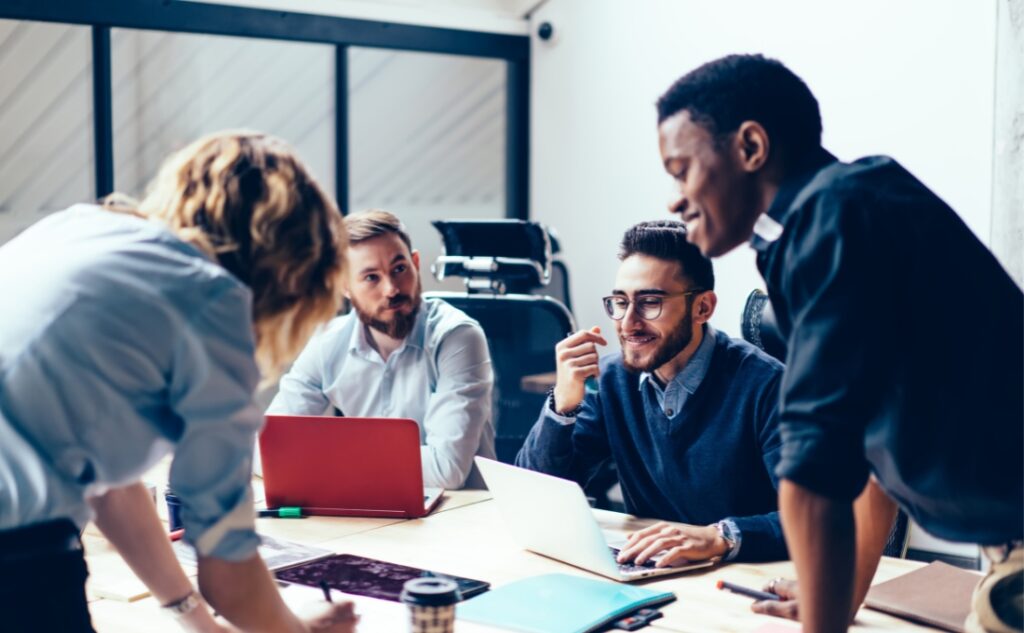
x=399, y=356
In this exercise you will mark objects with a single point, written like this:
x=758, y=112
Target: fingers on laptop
x=641, y=541
x=679, y=544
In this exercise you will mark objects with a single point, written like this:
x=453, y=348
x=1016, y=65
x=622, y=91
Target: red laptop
x=352, y=467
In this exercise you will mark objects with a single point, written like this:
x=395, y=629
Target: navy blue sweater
x=715, y=459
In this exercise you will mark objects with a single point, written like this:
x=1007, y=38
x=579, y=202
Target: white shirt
x=440, y=377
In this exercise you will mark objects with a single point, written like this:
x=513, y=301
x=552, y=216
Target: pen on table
x=177, y=534
x=327, y=590
x=745, y=591
x=286, y=512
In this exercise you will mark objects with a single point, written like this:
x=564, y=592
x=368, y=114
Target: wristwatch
x=725, y=531
x=181, y=608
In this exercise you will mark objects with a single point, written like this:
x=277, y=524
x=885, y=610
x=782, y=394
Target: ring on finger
x=774, y=581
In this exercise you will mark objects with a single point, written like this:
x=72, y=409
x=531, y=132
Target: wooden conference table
x=464, y=536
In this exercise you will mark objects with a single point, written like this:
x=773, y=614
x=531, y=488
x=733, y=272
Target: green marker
x=287, y=512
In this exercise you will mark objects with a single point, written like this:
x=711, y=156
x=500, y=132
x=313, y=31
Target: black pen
x=327, y=590
x=744, y=591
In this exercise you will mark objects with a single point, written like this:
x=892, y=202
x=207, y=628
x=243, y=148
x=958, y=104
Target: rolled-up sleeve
x=835, y=291
x=459, y=408
x=212, y=387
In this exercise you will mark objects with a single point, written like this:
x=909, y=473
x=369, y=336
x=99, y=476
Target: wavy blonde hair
x=246, y=199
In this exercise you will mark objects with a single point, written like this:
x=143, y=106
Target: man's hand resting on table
x=787, y=607
x=681, y=543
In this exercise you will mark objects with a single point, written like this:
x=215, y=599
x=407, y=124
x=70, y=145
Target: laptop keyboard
x=631, y=567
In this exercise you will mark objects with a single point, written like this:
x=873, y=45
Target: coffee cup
x=431, y=603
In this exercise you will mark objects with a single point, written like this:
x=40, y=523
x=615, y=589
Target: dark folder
x=938, y=595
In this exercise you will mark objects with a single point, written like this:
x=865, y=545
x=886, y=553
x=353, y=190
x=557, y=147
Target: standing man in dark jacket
x=904, y=371
x=688, y=415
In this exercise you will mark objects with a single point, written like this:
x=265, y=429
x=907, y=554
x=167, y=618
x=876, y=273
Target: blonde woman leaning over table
x=131, y=331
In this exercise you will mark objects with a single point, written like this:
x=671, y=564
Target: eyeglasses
x=647, y=307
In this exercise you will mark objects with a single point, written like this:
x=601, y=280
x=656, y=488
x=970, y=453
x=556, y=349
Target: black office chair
x=758, y=325
x=759, y=328
x=502, y=261
x=522, y=331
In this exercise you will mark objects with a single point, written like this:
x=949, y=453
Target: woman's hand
x=339, y=618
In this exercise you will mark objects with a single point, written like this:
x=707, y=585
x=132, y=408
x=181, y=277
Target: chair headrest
x=494, y=255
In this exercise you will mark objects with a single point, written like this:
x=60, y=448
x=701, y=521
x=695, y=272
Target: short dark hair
x=666, y=239
x=722, y=94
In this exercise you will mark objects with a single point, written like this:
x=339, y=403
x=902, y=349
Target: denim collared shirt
x=120, y=343
x=673, y=396
x=440, y=376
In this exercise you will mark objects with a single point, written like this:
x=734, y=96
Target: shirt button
x=670, y=413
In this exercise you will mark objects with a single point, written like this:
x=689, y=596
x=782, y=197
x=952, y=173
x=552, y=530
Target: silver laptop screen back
x=549, y=516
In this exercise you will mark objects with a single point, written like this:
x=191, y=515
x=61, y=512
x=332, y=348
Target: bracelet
x=183, y=607
x=571, y=413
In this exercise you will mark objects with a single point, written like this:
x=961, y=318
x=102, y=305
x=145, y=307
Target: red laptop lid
x=343, y=466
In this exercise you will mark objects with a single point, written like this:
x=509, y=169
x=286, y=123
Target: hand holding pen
x=779, y=597
x=339, y=618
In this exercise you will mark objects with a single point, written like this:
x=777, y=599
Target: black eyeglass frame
x=610, y=310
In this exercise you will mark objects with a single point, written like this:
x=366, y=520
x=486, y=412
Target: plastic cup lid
x=430, y=592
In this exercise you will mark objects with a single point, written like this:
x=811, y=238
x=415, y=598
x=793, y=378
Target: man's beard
x=669, y=348
x=401, y=324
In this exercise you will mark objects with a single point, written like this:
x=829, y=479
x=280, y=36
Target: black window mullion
x=103, y=127
x=517, y=140
x=341, y=147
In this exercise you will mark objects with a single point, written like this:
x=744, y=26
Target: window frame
x=342, y=33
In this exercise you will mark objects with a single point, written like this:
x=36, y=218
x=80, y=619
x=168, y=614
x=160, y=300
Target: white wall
x=912, y=79
x=1008, y=154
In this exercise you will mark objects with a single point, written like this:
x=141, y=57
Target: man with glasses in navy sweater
x=687, y=414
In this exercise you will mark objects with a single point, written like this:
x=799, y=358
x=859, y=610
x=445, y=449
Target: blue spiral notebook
x=558, y=603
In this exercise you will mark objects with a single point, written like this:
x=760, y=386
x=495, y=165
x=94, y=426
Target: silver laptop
x=551, y=516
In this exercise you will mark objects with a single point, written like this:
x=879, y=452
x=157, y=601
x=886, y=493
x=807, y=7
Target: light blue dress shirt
x=440, y=377
x=673, y=396
x=120, y=343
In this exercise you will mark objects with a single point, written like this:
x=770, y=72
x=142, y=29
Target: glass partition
x=46, y=121
x=171, y=88
x=426, y=141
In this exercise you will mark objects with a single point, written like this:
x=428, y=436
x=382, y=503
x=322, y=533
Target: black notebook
x=368, y=577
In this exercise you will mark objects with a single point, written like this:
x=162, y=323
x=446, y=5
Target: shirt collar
x=768, y=227
x=360, y=343
x=696, y=368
